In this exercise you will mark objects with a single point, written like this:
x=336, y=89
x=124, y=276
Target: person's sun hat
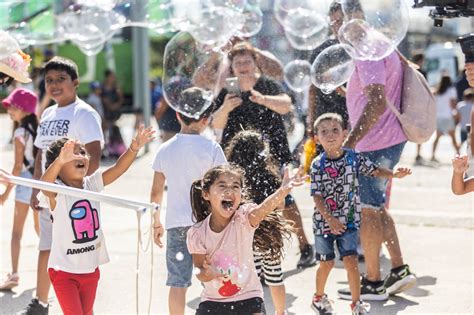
x=23, y=99
x=13, y=62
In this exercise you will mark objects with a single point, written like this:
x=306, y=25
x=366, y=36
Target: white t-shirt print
x=78, y=242
x=78, y=121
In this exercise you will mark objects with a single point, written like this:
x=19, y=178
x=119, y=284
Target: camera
x=452, y=9
x=446, y=9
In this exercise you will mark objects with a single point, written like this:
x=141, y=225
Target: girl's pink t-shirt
x=231, y=254
x=387, y=131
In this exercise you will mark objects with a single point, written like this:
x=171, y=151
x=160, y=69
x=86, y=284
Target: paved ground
x=435, y=228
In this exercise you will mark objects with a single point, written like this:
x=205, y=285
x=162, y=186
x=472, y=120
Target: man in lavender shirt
x=377, y=133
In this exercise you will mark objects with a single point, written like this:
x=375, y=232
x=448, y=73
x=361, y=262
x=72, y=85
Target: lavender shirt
x=387, y=131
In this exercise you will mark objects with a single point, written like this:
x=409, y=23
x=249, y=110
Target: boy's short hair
x=195, y=97
x=62, y=64
x=326, y=117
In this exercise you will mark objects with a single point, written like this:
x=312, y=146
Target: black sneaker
x=369, y=291
x=35, y=308
x=399, y=280
x=307, y=258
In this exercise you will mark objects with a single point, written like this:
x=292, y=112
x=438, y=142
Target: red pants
x=75, y=291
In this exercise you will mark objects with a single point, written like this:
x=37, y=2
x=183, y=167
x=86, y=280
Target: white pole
x=81, y=193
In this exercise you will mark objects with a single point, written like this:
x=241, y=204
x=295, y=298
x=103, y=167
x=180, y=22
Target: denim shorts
x=372, y=189
x=346, y=244
x=23, y=193
x=179, y=261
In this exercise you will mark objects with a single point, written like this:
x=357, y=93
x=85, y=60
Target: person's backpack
x=418, y=105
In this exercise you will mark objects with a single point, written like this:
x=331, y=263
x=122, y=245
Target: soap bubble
x=179, y=256
x=367, y=42
x=89, y=26
x=253, y=21
x=302, y=18
x=332, y=68
x=186, y=66
x=91, y=50
x=304, y=22
x=9, y=45
x=104, y=4
x=377, y=29
x=209, y=22
x=307, y=43
x=297, y=75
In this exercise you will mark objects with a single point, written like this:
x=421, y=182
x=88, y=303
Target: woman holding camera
x=258, y=103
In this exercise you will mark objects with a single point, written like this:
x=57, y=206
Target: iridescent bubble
x=185, y=67
x=302, y=18
x=385, y=24
x=332, y=68
x=367, y=42
x=157, y=15
x=253, y=21
x=216, y=25
x=304, y=22
x=297, y=75
x=91, y=50
x=104, y=4
x=307, y=43
x=8, y=46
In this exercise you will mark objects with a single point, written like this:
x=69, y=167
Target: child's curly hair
x=248, y=150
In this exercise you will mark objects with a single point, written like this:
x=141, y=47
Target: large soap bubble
x=309, y=42
x=89, y=26
x=332, y=68
x=157, y=15
x=210, y=22
x=184, y=62
x=297, y=75
x=377, y=29
x=253, y=21
x=367, y=42
x=302, y=18
x=8, y=46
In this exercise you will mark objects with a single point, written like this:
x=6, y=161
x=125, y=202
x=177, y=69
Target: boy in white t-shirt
x=69, y=117
x=181, y=160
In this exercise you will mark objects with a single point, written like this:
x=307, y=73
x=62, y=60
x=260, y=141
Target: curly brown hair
x=249, y=151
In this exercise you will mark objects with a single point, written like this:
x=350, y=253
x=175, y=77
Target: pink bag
x=418, y=104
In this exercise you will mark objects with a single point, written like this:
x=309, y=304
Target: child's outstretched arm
x=383, y=172
x=459, y=185
x=275, y=199
x=125, y=160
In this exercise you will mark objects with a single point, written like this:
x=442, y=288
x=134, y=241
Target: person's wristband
x=158, y=226
x=134, y=151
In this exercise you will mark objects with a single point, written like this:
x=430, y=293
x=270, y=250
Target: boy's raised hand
x=460, y=164
x=144, y=135
x=402, y=172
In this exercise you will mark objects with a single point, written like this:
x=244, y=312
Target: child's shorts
x=46, y=229
x=372, y=189
x=346, y=244
x=23, y=193
x=244, y=307
x=179, y=261
x=270, y=267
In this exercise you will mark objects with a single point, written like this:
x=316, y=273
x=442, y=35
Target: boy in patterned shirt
x=335, y=190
